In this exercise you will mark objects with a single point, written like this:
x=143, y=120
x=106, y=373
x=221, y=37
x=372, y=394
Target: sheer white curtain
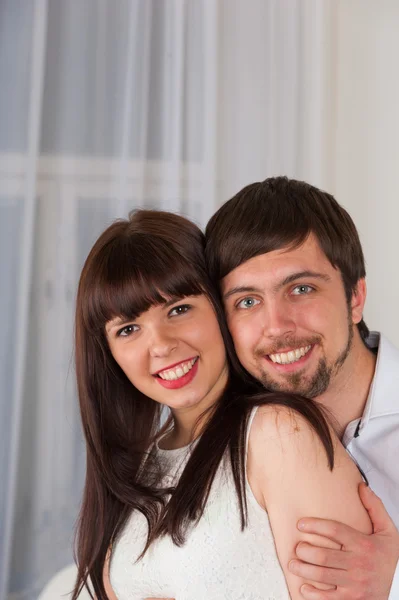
x=276, y=104
x=107, y=105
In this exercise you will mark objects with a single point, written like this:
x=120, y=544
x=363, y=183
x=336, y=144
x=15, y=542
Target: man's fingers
x=311, y=593
x=331, y=577
x=325, y=557
x=333, y=530
x=380, y=519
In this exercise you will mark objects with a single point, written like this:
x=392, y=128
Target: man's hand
x=365, y=565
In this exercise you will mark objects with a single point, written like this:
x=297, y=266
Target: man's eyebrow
x=301, y=275
x=244, y=289
x=241, y=290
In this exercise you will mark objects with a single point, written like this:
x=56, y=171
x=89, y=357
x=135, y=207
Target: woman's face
x=173, y=353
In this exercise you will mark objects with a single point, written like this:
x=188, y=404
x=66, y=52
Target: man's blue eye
x=300, y=290
x=248, y=303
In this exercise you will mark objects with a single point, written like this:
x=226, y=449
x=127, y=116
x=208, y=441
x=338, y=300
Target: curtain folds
x=107, y=106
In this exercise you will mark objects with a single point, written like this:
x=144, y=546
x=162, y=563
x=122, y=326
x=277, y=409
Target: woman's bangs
x=129, y=286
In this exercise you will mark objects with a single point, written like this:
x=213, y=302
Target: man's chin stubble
x=294, y=383
x=318, y=384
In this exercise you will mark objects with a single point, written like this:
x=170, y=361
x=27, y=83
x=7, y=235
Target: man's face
x=290, y=320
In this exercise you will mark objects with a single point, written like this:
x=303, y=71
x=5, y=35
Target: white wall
x=367, y=144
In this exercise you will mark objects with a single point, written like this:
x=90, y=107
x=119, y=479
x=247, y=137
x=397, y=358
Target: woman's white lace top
x=217, y=562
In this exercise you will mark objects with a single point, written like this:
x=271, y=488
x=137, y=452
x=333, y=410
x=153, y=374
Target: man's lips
x=287, y=362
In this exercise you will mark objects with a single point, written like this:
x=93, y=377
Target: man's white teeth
x=177, y=372
x=285, y=358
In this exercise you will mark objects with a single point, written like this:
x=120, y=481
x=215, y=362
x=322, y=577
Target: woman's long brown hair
x=137, y=263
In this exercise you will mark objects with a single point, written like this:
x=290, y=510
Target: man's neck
x=347, y=395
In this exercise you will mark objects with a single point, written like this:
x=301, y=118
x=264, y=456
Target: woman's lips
x=174, y=384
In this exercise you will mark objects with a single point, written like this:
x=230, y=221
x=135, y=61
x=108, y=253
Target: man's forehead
x=278, y=266
x=308, y=250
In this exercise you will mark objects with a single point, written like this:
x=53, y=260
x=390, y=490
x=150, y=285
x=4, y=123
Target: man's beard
x=296, y=383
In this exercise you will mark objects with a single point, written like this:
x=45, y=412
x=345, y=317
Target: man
x=292, y=276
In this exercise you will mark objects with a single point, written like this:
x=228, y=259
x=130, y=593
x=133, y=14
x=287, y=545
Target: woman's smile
x=179, y=376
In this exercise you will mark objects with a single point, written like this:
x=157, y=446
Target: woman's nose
x=162, y=344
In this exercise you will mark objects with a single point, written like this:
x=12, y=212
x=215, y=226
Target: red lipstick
x=174, y=384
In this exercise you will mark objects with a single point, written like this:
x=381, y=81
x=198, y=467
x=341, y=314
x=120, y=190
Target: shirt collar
x=384, y=389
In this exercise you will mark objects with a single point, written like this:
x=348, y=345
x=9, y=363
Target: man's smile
x=289, y=356
x=290, y=360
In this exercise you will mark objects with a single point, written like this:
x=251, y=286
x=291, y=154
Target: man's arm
x=363, y=568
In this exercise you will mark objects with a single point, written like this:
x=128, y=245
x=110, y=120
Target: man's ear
x=358, y=300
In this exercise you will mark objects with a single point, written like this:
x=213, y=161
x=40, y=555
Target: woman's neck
x=189, y=421
x=183, y=434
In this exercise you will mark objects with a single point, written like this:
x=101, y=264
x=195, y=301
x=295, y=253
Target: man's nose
x=277, y=319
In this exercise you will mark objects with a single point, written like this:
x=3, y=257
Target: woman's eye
x=301, y=290
x=248, y=303
x=179, y=310
x=128, y=330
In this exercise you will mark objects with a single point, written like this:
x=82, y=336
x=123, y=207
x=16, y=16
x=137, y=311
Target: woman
x=187, y=509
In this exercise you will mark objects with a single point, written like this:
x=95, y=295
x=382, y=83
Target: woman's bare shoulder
x=283, y=434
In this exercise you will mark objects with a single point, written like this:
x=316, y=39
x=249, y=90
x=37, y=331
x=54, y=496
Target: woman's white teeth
x=285, y=358
x=178, y=371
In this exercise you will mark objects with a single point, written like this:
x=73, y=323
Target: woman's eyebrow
x=171, y=301
x=117, y=322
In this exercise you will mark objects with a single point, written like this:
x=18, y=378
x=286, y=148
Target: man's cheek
x=243, y=341
x=235, y=334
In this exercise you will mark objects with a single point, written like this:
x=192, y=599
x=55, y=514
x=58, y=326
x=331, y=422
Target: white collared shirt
x=373, y=440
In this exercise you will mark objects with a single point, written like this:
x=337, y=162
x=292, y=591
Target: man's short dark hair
x=281, y=213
